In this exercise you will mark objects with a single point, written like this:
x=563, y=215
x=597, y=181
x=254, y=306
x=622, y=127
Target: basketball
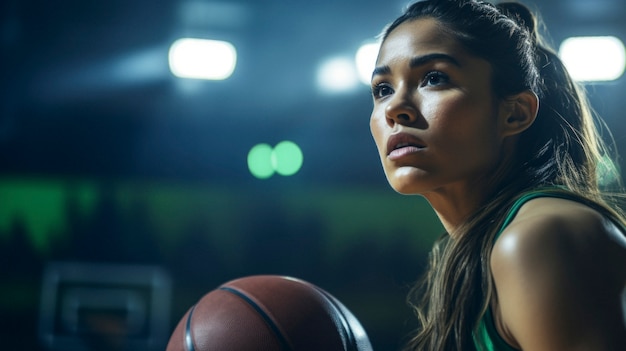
x=268, y=313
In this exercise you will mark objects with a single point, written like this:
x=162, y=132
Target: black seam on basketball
x=268, y=320
x=351, y=340
x=188, y=336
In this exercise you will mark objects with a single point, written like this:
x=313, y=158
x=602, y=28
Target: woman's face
x=434, y=118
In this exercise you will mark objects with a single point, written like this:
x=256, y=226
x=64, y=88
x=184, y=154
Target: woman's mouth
x=403, y=151
x=403, y=144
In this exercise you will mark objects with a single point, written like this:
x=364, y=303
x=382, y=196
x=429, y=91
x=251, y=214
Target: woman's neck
x=454, y=206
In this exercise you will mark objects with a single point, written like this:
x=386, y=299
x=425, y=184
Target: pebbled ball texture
x=268, y=313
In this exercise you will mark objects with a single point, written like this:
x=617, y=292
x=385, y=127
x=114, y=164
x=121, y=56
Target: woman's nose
x=401, y=110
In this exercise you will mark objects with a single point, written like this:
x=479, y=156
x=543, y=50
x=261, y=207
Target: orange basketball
x=268, y=313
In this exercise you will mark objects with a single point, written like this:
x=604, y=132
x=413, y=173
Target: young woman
x=473, y=112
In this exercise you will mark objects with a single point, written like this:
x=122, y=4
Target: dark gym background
x=125, y=190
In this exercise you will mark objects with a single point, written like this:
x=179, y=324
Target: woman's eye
x=435, y=79
x=381, y=90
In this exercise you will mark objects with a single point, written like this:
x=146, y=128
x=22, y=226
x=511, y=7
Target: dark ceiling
x=87, y=91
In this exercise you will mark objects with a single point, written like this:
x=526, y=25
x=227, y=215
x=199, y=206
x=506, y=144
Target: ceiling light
x=592, y=59
x=366, y=61
x=202, y=59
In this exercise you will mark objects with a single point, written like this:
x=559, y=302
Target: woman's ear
x=518, y=112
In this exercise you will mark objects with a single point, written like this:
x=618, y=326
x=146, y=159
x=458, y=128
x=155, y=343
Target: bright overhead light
x=592, y=59
x=366, y=61
x=337, y=75
x=202, y=59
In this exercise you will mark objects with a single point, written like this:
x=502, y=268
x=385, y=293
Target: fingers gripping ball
x=268, y=313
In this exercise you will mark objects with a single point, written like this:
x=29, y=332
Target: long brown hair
x=561, y=149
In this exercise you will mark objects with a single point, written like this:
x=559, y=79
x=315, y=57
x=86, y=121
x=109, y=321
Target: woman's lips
x=402, y=144
x=397, y=153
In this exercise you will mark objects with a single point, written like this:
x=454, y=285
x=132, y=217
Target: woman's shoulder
x=553, y=265
x=555, y=225
x=554, y=232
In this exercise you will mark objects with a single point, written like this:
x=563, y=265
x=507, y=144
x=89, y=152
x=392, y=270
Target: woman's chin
x=406, y=188
x=407, y=182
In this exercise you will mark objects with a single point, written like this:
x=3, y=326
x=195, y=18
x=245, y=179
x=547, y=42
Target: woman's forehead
x=417, y=37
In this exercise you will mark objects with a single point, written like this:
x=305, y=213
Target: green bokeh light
x=287, y=158
x=259, y=161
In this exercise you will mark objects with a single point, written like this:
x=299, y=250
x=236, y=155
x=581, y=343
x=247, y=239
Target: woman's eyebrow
x=419, y=61
x=422, y=60
x=381, y=70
